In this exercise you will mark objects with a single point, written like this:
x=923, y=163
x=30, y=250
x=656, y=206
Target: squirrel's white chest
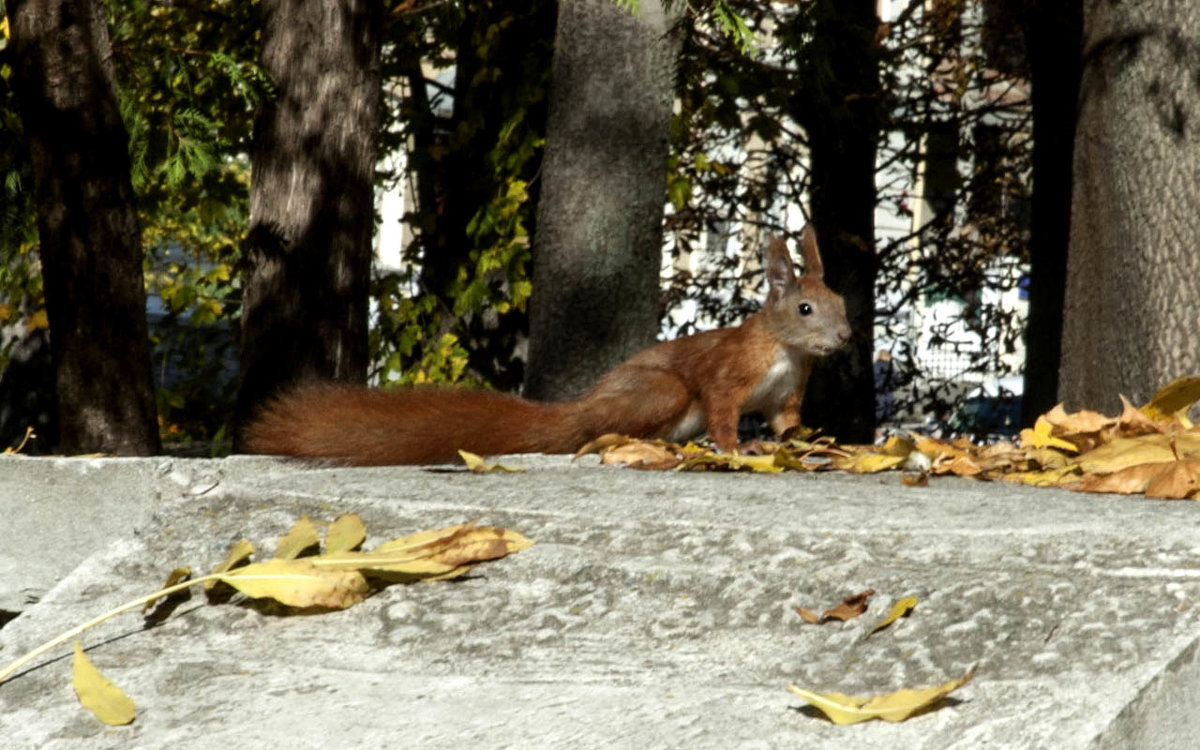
x=781, y=380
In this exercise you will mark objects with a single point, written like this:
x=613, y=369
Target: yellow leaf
x=303, y=535
x=730, y=462
x=1173, y=399
x=897, y=446
x=868, y=463
x=1047, y=478
x=298, y=583
x=899, y=609
x=347, y=532
x=238, y=553
x=98, y=694
x=897, y=706
x=175, y=576
x=477, y=465
x=1039, y=437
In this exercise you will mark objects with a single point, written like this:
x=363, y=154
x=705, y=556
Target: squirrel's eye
x=805, y=308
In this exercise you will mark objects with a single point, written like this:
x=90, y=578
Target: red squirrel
x=674, y=390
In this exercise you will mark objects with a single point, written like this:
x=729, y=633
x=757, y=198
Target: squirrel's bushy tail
x=369, y=427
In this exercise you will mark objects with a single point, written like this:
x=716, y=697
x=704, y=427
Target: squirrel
x=674, y=390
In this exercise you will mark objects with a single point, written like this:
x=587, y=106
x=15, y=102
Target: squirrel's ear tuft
x=810, y=253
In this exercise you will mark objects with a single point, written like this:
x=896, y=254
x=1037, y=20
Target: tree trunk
x=308, y=251
x=1051, y=27
x=90, y=240
x=1132, y=316
x=598, y=248
x=840, y=113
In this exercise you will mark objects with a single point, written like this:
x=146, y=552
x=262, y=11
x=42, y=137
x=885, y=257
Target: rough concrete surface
x=655, y=611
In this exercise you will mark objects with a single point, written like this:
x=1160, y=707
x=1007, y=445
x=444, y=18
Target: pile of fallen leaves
x=1152, y=450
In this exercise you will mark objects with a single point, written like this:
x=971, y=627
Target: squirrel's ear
x=780, y=276
x=810, y=254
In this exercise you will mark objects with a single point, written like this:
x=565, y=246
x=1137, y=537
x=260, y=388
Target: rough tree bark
x=598, y=249
x=839, y=107
x=1051, y=27
x=308, y=251
x=1132, y=316
x=90, y=239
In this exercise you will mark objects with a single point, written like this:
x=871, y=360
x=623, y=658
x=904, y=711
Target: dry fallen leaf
x=98, y=694
x=175, y=576
x=302, y=536
x=602, y=443
x=900, y=609
x=918, y=479
x=298, y=583
x=1173, y=400
x=1039, y=436
x=851, y=607
x=438, y=554
x=477, y=465
x=347, y=532
x=1167, y=480
x=761, y=463
x=897, y=706
x=239, y=553
x=640, y=454
x=868, y=463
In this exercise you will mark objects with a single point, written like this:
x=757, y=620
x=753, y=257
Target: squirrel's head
x=805, y=314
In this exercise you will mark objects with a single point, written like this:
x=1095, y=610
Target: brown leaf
x=1167, y=480
x=641, y=454
x=808, y=615
x=1134, y=422
x=603, y=443
x=1077, y=423
x=1179, y=480
x=851, y=607
x=1123, y=453
x=915, y=480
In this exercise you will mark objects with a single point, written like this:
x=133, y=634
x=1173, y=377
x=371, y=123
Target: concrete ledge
x=655, y=611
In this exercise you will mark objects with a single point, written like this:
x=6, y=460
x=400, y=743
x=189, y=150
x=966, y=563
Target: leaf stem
x=48, y=645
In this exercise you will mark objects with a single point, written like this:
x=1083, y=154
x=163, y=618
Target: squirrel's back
x=367, y=426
